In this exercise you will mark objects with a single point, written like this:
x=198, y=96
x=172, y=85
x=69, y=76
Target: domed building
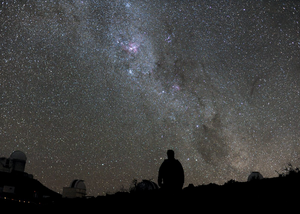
x=77, y=189
x=17, y=185
x=15, y=163
x=146, y=185
x=255, y=176
x=18, y=161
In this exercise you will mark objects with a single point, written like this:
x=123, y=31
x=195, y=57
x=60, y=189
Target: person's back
x=171, y=174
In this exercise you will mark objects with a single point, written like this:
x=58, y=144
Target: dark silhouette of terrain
x=268, y=193
x=26, y=190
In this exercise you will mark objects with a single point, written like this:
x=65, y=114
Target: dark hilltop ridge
x=19, y=190
x=273, y=192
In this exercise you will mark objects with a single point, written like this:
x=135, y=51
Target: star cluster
x=99, y=90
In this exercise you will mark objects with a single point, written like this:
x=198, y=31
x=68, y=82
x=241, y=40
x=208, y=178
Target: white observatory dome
x=18, y=155
x=77, y=189
x=78, y=184
x=18, y=161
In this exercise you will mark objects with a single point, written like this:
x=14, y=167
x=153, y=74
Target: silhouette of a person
x=171, y=174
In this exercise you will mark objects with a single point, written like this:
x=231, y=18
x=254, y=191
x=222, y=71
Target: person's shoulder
x=177, y=161
x=165, y=161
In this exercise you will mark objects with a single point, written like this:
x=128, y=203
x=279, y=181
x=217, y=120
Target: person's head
x=171, y=154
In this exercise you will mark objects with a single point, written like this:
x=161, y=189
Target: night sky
x=99, y=90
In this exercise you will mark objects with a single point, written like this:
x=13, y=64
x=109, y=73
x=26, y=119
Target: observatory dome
x=146, y=185
x=17, y=161
x=18, y=155
x=255, y=176
x=78, y=184
x=77, y=189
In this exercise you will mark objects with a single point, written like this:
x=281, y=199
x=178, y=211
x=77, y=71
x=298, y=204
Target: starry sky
x=99, y=90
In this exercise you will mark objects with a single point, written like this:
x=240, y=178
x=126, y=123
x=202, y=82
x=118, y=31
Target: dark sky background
x=99, y=90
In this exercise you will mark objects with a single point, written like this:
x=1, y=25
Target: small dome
x=18, y=155
x=146, y=185
x=255, y=176
x=78, y=184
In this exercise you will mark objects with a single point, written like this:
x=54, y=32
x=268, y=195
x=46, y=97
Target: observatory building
x=255, y=176
x=15, y=163
x=17, y=185
x=146, y=185
x=77, y=189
